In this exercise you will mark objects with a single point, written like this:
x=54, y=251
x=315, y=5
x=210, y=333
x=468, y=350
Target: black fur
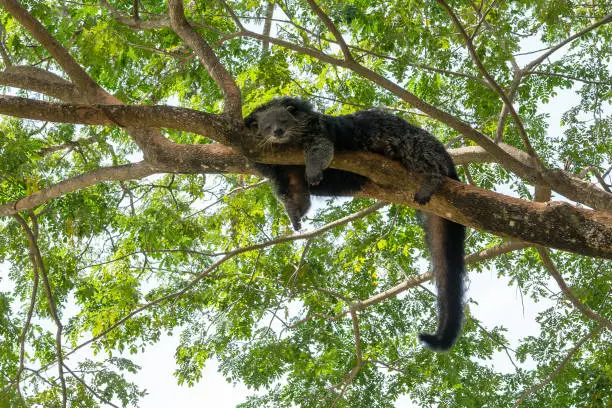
x=292, y=121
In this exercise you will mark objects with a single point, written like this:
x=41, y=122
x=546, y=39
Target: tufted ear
x=251, y=122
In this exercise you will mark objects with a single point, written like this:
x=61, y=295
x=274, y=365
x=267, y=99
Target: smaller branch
x=42, y=81
x=557, y=370
x=490, y=79
x=360, y=362
x=424, y=66
x=206, y=55
x=72, y=68
x=588, y=313
x=125, y=172
x=36, y=256
x=597, y=175
x=516, y=82
x=332, y=28
x=483, y=16
x=357, y=336
x=501, y=344
x=79, y=379
x=26, y=326
x=233, y=15
x=265, y=45
x=69, y=145
x=495, y=251
x=541, y=58
x=150, y=24
x=5, y=56
x=566, y=76
x=135, y=10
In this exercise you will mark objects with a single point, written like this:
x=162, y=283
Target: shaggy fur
x=292, y=121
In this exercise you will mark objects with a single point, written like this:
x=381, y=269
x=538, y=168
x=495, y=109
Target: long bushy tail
x=446, y=245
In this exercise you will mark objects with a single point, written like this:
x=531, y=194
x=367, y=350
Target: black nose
x=279, y=132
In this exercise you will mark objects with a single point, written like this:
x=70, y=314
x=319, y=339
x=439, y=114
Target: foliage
x=131, y=261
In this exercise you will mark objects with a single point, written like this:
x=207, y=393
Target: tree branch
x=561, y=182
x=332, y=28
x=38, y=80
x=206, y=55
x=265, y=45
x=498, y=90
x=36, y=256
x=125, y=172
x=590, y=233
x=97, y=395
x=81, y=79
x=541, y=58
x=26, y=326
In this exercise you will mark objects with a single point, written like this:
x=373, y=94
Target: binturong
x=293, y=122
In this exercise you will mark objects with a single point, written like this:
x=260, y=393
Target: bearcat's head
x=280, y=120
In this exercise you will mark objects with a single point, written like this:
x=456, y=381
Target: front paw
x=314, y=179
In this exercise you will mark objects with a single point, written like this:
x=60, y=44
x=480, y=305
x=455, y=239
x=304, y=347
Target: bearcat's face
x=276, y=125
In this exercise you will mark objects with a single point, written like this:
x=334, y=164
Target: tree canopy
x=129, y=210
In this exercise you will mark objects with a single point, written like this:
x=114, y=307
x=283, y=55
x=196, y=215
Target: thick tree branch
x=233, y=99
x=559, y=225
x=561, y=182
x=129, y=116
x=38, y=80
